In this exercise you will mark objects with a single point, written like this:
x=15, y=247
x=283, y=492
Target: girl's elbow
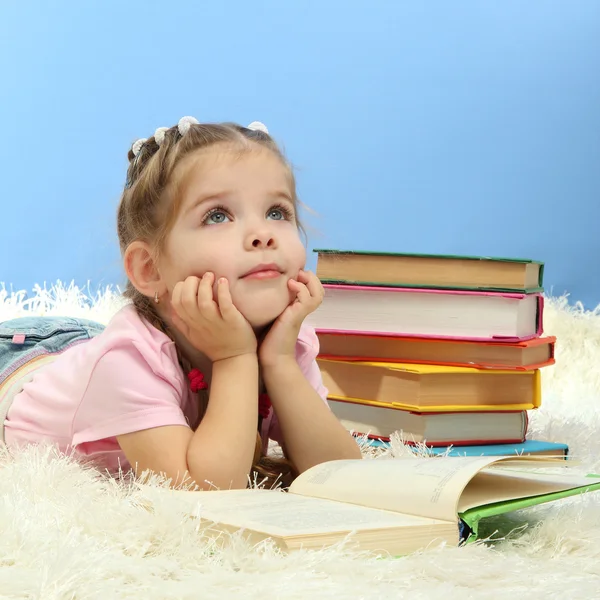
x=218, y=477
x=357, y=453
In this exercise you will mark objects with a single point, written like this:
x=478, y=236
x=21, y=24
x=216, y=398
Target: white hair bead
x=185, y=123
x=137, y=146
x=159, y=135
x=258, y=126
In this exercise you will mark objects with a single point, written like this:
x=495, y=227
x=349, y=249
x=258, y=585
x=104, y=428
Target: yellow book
x=431, y=388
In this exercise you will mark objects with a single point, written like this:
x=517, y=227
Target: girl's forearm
x=312, y=434
x=222, y=447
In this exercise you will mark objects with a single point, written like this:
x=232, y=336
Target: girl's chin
x=262, y=317
x=261, y=330
x=262, y=309
x=262, y=321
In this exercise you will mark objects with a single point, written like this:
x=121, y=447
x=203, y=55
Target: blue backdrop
x=437, y=126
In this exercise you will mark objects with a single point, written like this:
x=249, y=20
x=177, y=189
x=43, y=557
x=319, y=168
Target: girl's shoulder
x=128, y=324
x=128, y=328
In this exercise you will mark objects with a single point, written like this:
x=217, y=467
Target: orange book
x=519, y=356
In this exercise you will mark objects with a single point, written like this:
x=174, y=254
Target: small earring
x=156, y=300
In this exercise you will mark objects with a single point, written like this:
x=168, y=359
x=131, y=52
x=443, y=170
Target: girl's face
x=237, y=220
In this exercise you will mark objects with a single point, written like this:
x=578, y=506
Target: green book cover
x=471, y=518
x=539, y=288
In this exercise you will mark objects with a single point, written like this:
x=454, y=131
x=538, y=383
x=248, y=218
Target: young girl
x=211, y=357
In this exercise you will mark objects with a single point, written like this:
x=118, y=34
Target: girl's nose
x=263, y=242
x=261, y=239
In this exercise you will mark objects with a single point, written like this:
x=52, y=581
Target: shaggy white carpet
x=67, y=532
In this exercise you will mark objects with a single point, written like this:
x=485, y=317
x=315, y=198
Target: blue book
x=527, y=447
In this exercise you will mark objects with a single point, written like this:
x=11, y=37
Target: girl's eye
x=280, y=213
x=215, y=216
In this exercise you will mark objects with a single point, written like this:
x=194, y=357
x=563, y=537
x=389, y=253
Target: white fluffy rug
x=67, y=532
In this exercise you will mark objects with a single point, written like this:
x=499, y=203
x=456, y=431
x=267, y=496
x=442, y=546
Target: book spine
x=491, y=408
x=416, y=290
x=445, y=443
x=499, y=339
x=464, y=365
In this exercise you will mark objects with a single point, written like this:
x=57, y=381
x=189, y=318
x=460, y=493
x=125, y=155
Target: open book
x=393, y=506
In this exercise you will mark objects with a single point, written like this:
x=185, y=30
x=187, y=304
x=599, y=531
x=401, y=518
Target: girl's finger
x=300, y=308
x=303, y=276
x=204, y=300
x=301, y=291
x=177, y=301
x=224, y=300
x=314, y=285
x=189, y=293
x=294, y=285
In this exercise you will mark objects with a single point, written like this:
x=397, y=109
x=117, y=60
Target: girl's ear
x=141, y=269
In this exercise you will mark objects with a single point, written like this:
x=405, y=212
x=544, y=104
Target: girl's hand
x=217, y=329
x=280, y=341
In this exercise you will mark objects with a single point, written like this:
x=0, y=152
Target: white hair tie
x=137, y=146
x=185, y=123
x=159, y=135
x=258, y=126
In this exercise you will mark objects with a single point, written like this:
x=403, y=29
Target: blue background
x=466, y=127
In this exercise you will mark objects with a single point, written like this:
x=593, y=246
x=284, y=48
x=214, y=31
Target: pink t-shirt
x=126, y=379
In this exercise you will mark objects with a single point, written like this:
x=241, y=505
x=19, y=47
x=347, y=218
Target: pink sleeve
x=307, y=349
x=128, y=391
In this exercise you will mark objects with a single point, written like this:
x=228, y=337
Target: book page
x=510, y=481
x=426, y=487
x=282, y=514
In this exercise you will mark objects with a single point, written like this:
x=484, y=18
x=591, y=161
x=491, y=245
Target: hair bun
x=258, y=126
x=137, y=146
x=159, y=135
x=185, y=123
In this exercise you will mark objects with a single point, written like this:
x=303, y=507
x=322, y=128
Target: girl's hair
x=149, y=207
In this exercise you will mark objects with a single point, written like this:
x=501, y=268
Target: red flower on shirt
x=197, y=380
x=264, y=405
x=197, y=383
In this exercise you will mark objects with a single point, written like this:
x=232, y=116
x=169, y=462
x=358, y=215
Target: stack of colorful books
x=446, y=350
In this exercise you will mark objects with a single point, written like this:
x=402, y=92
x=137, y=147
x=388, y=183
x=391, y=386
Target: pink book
x=429, y=313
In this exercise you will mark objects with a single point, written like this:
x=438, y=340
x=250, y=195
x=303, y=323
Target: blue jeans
x=29, y=337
